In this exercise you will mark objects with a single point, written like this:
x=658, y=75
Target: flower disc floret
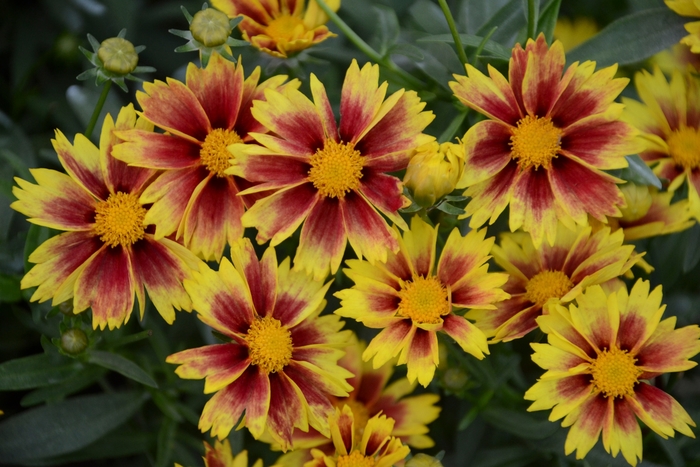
x=615, y=373
x=119, y=220
x=118, y=55
x=210, y=27
x=424, y=300
x=214, y=155
x=684, y=146
x=336, y=169
x=270, y=344
x=355, y=459
x=547, y=284
x=535, y=142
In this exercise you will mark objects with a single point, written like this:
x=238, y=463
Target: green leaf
x=10, y=291
x=692, y=248
x=519, y=423
x=35, y=371
x=35, y=237
x=548, y=19
x=640, y=173
x=126, y=367
x=449, y=209
x=632, y=38
x=509, y=19
x=76, y=382
x=407, y=50
x=494, y=49
x=166, y=442
x=387, y=29
x=64, y=427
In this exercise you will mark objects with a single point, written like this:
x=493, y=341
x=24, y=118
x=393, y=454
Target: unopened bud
x=118, y=55
x=66, y=308
x=423, y=460
x=210, y=27
x=455, y=379
x=638, y=201
x=74, y=341
x=434, y=171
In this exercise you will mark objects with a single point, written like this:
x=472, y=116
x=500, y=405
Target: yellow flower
x=688, y=8
x=572, y=33
x=434, y=171
x=220, y=456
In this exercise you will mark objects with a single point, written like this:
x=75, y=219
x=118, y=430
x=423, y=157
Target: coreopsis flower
x=679, y=57
x=547, y=141
x=600, y=355
x=370, y=445
x=332, y=177
x=280, y=27
x=434, y=171
x=280, y=364
x=193, y=197
x=688, y=8
x=107, y=254
x=571, y=33
x=371, y=396
x=669, y=121
x=221, y=456
x=540, y=277
x=411, y=299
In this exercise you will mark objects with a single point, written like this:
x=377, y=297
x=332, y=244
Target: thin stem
x=531, y=10
x=483, y=44
x=98, y=109
x=453, y=29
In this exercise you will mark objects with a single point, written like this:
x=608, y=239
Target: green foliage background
x=119, y=403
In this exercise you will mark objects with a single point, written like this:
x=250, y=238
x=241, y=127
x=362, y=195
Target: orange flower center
x=684, y=146
x=424, y=300
x=535, y=142
x=336, y=169
x=355, y=459
x=214, y=154
x=119, y=220
x=547, y=284
x=614, y=373
x=270, y=344
x=285, y=28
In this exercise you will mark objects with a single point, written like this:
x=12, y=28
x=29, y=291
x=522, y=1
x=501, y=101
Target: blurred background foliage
x=119, y=403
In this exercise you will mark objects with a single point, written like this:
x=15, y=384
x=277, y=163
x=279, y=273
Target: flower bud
x=423, y=460
x=434, y=171
x=638, y=201
x=455, y=379
x=118, y=55
x=210, y=27
x=74, y=341
x=66, y=308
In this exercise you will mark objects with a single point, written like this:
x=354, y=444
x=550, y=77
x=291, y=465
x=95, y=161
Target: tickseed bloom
x=600, y=355
x=371, y=396
x=280, y=365
x=332, y=178
x=434, y=171
x=369, y=446
x=107, y=254
x=194, y=197
x=411, y=300
x=571, y=33
x=548, y=140
x=280, y=27
x=221, y=456
x=542, y=276
x=688, y=8
x=679, y=57
x=669, y=121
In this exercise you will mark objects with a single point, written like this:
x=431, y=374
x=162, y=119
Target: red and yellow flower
x=107, y=254
x=548, y=140
x=221, y=456
x=280, y=365
x=669, y=121
x=280, y=27
x=332, y=177
x=371, y=444
x=371, y=396
x=600, y=355
x=411, y=300
x=194, y=197
x=540, y=277
x=688, y=8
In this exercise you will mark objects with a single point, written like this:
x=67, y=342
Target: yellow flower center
x=270, y=344
x=684, y=146
x=614, y=373
x=284, y=28
x=119, y=220
x=355, y=459
x=336, y=169
x=535, y=142
x=214, y=155
x=547, y=284
x=424, y=300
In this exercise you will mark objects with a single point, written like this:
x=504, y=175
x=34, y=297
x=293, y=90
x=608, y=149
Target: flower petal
x=220, y=364
x=533, y=206
x=418, y=244
x=490, y=197
x=587, y=422
x=542, y=75
x=323, y=238
x=384, y=192
x=422, y=358
x=361, y=99
x=297, y=296
x=156, y=150
x=624, y=433
x=461, y=255
x=222, y=412
x=368, y=233
x=492, y=97
x=287, y=410
x=470, y=338
x=660, y=412
x=389, y=342
x=82, y=162
x=260, y=275
x=487, y=151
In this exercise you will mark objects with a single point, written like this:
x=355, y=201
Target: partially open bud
x=74, y=341
x=434, y=171
x=210, y=27
x=638, y=201
x=118, y=55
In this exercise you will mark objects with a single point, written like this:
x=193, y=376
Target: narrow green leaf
x=35, y=237
x=692, y=248
x=639, y=172
x=126, y=367
x=9, y=288
x=407, y=50
x=548, y=19
x=76, y=382
x=64, y=427
x=387, y=29
x=492, y=48
x=35, y=371
x=519, y=423
x=449, y=209
x=509, y=19
x=632, y=38
x=166, y=442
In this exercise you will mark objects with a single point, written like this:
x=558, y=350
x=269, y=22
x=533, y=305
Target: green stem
x=98, y=109
x=531, y=11
x=453, y=29
x=367, y=49
x=483, y=44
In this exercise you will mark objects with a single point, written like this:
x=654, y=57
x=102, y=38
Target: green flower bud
x=455, y=379
x=118, y=55
x=210, y=27
x=74, y=341
x=66, y=308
